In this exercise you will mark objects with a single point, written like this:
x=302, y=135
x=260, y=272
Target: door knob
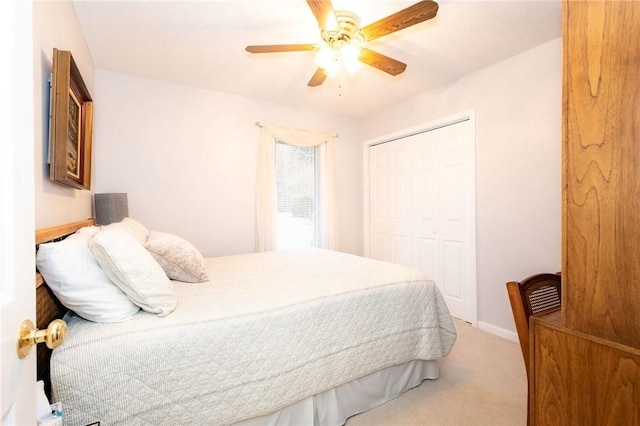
x=29, y=336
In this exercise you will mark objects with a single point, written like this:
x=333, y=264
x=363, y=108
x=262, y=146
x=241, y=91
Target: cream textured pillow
x=131, y=267
x=74, y=276
x=180, y=260
x=131, y=227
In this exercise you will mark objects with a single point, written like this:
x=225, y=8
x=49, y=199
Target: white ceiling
x=201, y=43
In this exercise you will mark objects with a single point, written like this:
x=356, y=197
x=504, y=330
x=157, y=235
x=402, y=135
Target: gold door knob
x=29, y=336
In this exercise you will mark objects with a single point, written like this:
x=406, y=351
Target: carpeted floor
x=482, y=382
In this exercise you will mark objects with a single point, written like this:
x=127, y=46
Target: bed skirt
x=335, y=406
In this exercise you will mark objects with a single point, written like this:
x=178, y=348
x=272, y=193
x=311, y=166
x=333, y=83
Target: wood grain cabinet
x=586, y=370
x=580, y=379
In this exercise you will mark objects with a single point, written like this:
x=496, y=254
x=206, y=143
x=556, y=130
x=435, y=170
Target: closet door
x=422, y=209
x=390, y=197
x=444, y=214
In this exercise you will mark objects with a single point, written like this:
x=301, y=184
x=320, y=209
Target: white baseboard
x=490, y=328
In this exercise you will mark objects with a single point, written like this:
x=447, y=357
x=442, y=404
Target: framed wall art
x=71, y=124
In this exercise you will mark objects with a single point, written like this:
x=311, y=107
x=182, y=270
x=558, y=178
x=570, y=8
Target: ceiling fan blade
x=270, y=48
x=412, y=15
x=318, y=78
x=323, y=11
x=382, y=62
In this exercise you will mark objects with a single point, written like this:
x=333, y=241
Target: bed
x=283, y=337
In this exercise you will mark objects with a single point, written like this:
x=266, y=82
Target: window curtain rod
x=259, y=124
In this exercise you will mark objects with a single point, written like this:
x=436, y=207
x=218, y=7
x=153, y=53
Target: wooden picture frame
x=71, y=124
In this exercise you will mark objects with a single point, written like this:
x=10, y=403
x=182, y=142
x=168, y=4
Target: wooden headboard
x=48, y=307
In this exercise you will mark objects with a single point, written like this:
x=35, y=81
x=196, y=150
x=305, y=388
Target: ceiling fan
x=343, y=40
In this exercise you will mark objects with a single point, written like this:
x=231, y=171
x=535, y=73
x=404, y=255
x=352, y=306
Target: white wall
x=55, y=24
x=187, y=159
x=518, y=167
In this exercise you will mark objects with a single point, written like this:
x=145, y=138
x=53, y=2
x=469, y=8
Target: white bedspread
x=268, y=330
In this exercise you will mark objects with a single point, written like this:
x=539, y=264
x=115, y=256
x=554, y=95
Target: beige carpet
x=482, y=382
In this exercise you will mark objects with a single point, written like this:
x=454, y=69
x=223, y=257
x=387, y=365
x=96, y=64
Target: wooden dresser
x=586, y=370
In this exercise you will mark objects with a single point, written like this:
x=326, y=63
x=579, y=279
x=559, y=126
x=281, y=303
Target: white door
x=390, y=202
x=380, y=205
x=434, y=188
x=17, y=261
x=444, y=214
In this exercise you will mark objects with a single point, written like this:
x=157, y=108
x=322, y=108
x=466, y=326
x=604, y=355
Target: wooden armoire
x=586, y=370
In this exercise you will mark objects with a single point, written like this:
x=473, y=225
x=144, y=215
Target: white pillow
x=131, y=227
x=90, y=231
x=74, y=276
x=180, y=260
x=133, y=269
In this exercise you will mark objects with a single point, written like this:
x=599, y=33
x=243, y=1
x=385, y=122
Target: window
x=297, y=184
x=318, y=148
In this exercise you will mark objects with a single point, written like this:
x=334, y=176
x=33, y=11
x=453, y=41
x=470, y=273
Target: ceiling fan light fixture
x=324, y=56
x=350, y=55
x=331, y=57
x=331, y=70
x=328, y=58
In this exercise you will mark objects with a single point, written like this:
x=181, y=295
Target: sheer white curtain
x=266, y=193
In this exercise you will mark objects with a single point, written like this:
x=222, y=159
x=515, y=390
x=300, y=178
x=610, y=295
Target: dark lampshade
x=110, y=208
